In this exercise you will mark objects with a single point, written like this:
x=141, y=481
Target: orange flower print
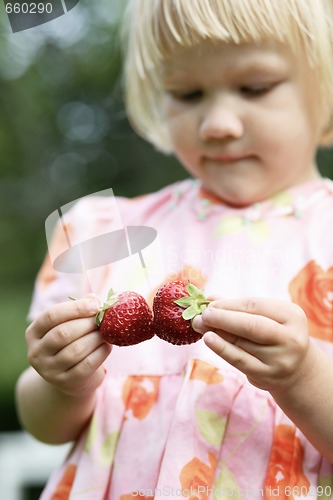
x=65, y=484
x=205, y=372
x=285, y=477
x=140, y=393
x=197, y=473
x=312, y=290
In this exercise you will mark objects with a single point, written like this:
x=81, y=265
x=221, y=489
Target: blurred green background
x=63, y=135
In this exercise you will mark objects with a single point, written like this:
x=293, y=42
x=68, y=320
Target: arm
x=308, y=401
x=56, y=395
x=268, y=341
x=49, y=414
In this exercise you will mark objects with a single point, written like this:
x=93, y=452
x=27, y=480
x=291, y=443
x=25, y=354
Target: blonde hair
x=154, y=29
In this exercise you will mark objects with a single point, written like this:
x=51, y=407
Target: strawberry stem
x=194, y=303
x=111, y=299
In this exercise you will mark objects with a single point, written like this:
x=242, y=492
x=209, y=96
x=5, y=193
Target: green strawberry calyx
x=110, y=302
x=194, y=303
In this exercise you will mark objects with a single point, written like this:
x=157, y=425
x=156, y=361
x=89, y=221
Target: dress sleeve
x=51, y=286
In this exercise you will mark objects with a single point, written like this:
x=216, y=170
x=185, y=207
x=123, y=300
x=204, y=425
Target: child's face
x=242, y=118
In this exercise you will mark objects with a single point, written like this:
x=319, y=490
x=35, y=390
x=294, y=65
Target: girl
x=242, y=93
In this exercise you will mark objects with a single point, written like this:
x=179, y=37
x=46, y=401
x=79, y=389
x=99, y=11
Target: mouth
x=227, y=158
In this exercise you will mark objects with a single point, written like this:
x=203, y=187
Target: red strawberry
x=175, y=305
x=125, y=319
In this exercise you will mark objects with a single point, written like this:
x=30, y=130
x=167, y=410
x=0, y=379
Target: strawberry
x=175, y=305
x=125, y=319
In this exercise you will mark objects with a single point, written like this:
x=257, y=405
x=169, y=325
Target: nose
x=221, y=119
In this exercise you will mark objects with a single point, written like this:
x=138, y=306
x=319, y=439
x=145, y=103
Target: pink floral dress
x=179, y=422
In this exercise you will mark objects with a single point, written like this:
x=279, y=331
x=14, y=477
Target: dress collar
x=290, y=202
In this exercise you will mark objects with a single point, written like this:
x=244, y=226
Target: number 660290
x=28, y=8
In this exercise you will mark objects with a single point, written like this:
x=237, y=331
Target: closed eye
x=256, y=90
x=194, y=95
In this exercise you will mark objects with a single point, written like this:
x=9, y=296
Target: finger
x=198, y=325
x=60, y=313
x=77, y=351
x=277, y=310
x=233, y=354
x=87, y=375
x=258, y=329
x=91, y=363
x=253, y=348
x=62, y=335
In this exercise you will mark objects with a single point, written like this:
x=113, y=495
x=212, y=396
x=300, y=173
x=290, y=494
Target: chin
x=237, y=199
x=236, y=192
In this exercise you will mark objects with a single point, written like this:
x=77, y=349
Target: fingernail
x=207, y=313
x=212, y=304
x=210, y=339
x=197, y=324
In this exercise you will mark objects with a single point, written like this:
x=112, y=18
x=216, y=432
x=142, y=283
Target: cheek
x=184, y=146
x=317, y=112
x=180, y=120
x=182, y=131
x=288, y=126
x=306, y=118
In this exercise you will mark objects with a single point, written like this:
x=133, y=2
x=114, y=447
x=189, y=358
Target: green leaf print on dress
x=211, y=426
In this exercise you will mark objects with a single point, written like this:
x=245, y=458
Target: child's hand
x=265, y=339
x=65, y=347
